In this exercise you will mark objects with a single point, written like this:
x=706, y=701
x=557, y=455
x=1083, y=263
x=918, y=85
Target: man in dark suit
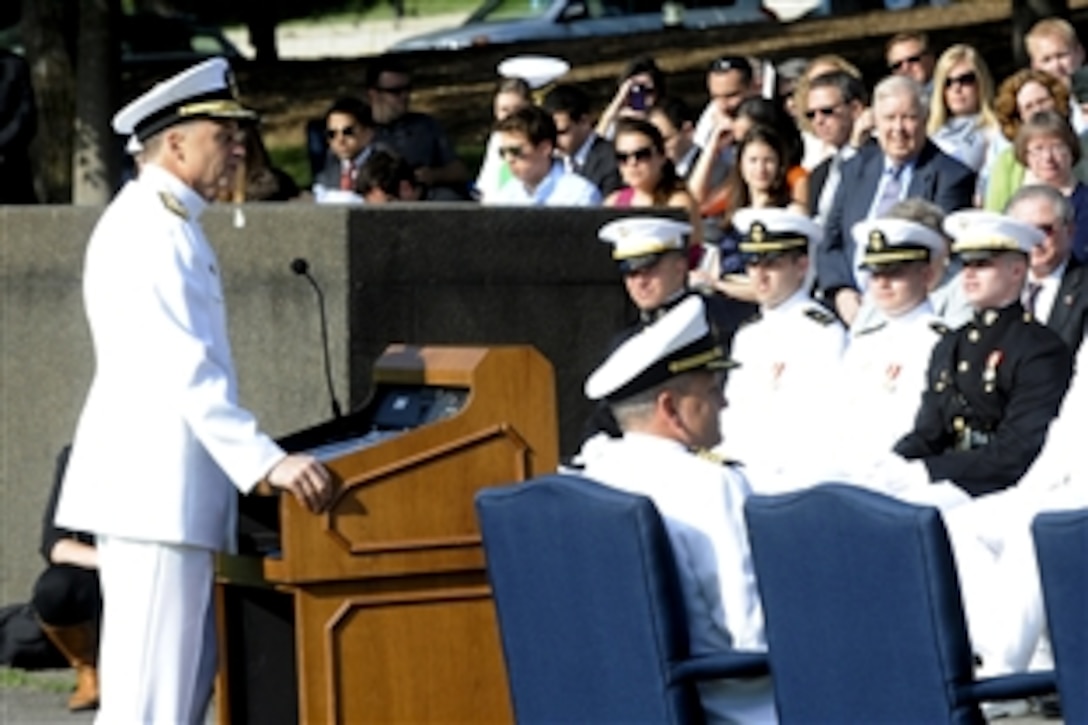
x=835, y=101
x=583, y=151
x=904, y=163
x=1057, y=289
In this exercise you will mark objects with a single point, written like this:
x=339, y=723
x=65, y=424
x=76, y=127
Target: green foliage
x=294, y=161
x=59, y=681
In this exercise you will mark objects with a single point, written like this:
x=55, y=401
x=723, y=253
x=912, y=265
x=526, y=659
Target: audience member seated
x=349, y=130
x=908, y=54
x=641, y=84
x=1021, y=96
x=1053, y=47
x=264, y=180
x=788, y=356
x=1057, y=290
x=664, y=386
x=511, y=94
x=385, y=177
x=903, y=163
x=835, y=102
x=961, y=115
x=579, y=146
x=676, y=122
x=1048, y=149
x=729, y=81
x=527, y=143
x=815, y=150
x=649, y=177
x=415, y=136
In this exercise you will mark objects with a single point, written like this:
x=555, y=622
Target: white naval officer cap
x=639, y=241
x=680, y=341
x=891, y=241
x=980, y=234
x=205, y=90
x=768, y=232
x=536, y=70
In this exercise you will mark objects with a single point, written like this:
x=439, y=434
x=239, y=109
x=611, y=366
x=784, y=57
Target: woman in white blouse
x=961, y=115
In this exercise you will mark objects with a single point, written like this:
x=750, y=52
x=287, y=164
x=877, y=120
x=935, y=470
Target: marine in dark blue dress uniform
x=995, y=384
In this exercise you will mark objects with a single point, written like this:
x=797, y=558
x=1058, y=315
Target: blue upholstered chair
x=1061, y=544
x=863, y=612
x=589, y=606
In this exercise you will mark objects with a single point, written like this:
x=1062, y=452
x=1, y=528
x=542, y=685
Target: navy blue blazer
x=1069, y=315
x=937, y=177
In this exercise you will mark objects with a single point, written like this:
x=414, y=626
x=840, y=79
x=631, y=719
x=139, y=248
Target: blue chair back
x=588, y=601
x=862, y=604
x=1061, y=543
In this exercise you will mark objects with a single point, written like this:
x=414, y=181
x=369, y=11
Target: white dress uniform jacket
x=882, y=377
x=781, y=393
x=702, y=503
x=161, y=436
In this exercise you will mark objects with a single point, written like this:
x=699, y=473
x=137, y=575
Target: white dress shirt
x=558, y=188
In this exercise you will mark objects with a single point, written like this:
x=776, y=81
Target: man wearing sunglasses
x=417, y=137
x=908, y=54
x=349, y=131
x=527, y=142
x=835, y=102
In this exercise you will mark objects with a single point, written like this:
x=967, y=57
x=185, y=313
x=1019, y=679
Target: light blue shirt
x=558, y=188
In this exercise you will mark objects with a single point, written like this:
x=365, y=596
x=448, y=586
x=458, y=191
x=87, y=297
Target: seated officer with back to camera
x=994, y=384
x=652, y=256
x=788, y=355
x=664, y=385
x=883, y=371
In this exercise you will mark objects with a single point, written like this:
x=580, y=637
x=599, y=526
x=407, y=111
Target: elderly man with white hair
x=902, y=163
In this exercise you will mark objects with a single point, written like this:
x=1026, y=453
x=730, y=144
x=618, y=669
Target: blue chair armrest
x=718, y=666
x=1009, y=687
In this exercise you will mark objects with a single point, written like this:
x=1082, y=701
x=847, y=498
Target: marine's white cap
x=536, y=70
x=980, y=234
x=206, y=90
x=679, y=342
x=891, y=241
x=638, y=241
x=773, y=231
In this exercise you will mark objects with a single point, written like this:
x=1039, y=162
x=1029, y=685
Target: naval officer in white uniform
x=883, y=371
x=664, y=386
x=162, y=447
x=789, y=356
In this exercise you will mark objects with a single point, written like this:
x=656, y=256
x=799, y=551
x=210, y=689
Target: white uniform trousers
x=157, y=654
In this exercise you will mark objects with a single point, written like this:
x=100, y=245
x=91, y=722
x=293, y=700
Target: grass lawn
x=60, y=681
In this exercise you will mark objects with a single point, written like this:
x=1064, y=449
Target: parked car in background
x=514, y=21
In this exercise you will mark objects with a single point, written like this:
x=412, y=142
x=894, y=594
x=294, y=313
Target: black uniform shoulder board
x=822, y=316
x=939, y=327
x=874, y=328
x=756, y=317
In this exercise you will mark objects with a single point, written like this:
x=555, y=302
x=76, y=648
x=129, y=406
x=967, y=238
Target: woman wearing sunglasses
x=961, y=115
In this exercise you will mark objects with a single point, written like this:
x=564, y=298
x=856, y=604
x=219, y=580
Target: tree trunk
x=1026, y=13
x=51, y=72
x=96, y=161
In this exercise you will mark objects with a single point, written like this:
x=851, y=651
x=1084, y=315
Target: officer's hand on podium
x=305, y=477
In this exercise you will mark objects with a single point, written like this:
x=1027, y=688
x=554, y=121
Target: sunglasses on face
x=512, y=152
x=967, y=79
x=827, y=112
x=642, y=154
x=909, y=60
x=346, y=132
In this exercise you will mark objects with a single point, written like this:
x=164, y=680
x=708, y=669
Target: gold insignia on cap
x=877, y=240
x=172, y=203
x=757, y=232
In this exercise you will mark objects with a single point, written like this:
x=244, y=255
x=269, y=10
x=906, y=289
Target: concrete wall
x=417, y=274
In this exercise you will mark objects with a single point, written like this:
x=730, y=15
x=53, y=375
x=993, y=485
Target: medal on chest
x=777, y=369
x=989, y=373
x=891, y=376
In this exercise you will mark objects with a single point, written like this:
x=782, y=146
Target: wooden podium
x=385, y=597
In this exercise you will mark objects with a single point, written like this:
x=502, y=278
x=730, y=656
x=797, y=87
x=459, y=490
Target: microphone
x=302, y=268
